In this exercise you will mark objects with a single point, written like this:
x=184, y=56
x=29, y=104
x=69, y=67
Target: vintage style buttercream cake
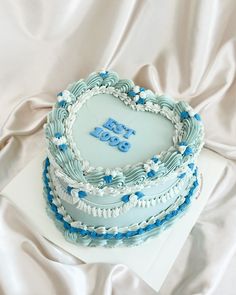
x=121, y=161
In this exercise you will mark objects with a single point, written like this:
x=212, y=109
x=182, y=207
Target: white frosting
x=120, y=207
x=136, y=89
x=59, y=141
x=93, y=190
x=66, y=96
x=166, y=112
x=182, y=148
x=115, y=229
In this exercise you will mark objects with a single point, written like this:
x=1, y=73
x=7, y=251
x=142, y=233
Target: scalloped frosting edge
x=107, y=82
x=129, y=238
x=121, y=208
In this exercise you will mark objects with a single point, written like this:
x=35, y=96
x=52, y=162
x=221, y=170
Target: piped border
x=189, y=146
x=130, y=238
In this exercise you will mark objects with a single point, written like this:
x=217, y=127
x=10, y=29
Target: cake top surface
x=151, y=133
x=108, y=133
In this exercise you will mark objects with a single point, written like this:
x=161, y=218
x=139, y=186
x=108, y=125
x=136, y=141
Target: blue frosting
x=139, y=194
x=124, y=146
x=82, y=194
x=105, y=136
x=63, y=147
x=103, y=74
x=119, y=235
x=182, y=175
x=114, y=140
x=188, y=151
x=184, y=115
x=129, y=133
x=141, y=101
x=155, y=159
x=151, y=173
x=69, y=189
x=114, y=137
x=197, y=117
x=77, y=88
x=131, y=93
x=192, y=130
x=108, y=178
x=117, y=128
x=110, y=124
x=183, y=143
x=58, y=134
x=62, y=103
x=96, y=132
x=126, y=198
x=137, y=93
x=191, y=166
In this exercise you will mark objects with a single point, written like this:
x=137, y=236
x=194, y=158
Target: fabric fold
x=185, y=49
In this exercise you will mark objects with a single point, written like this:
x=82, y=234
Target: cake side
x=114, y=210
x=133, y=235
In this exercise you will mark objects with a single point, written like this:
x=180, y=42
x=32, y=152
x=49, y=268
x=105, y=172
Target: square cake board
x=151, y=260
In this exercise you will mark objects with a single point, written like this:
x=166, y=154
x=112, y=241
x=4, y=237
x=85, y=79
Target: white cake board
x=152, y=260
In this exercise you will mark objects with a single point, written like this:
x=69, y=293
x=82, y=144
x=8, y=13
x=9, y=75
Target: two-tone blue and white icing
x=124, y=195
x=83, y=232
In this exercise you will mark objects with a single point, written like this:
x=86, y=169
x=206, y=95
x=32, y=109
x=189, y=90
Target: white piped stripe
x=65, y=95
x=115, y=211
x=93, y=190
x=182, y=148
x=169, y=114
x=115, y=229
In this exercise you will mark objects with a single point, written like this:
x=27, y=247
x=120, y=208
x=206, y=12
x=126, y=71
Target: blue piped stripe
x=139, y=194
x=141, y=101
x=103, y=74
x=182, y=175
x=82, y=194
x=125, y=198
x=183, y=143
x=188, y=151
x=131, y=93
x=58, y=135
x=197, y=117
x=184, y=115
x=191, y=166
x=108, y=178
x=62, y=103
x=155, y=159
x=195, y=172
x=151, y=173
x=63, y=147
x=69, y=189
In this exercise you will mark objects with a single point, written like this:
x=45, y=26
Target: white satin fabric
x=184, y=48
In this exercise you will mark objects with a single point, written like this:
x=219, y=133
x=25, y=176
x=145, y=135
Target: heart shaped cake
x=121, y=161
